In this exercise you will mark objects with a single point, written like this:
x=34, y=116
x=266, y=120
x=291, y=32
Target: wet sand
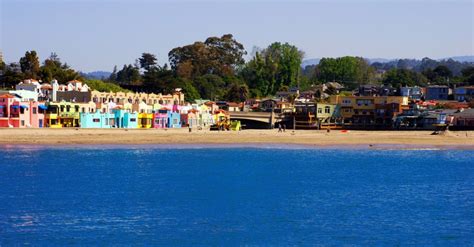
x=72, y=136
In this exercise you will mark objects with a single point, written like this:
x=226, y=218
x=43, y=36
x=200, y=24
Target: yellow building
x=121, y=98
x=66, y=114
x=366, y=109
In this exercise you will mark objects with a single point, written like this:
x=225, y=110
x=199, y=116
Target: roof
x=436, y=86
x=233, y=104
x=465, y=113
x=74, y=81
x=7, y=96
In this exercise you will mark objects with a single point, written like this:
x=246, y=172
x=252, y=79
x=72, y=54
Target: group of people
x=281, y=127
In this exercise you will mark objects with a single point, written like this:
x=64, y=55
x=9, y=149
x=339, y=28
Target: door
x=40, y=123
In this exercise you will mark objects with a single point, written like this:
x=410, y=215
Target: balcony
x=69, y=115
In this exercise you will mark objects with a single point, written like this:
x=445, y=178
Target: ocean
x=235, y=195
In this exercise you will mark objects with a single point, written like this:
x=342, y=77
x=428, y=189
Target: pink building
x=160, y=118
x=6, y=101
x=20, y=114
x=37, y=110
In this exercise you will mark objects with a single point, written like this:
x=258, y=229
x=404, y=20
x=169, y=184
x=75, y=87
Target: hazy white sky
x=96, y=35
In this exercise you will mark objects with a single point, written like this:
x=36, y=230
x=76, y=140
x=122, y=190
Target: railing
x=69, y=115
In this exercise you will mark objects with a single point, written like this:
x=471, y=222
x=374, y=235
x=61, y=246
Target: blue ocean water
x=155, y=195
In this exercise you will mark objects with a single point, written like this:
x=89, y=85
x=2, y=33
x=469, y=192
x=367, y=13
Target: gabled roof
x=7, y=96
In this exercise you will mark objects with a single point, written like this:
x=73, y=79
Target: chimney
x=55, y=86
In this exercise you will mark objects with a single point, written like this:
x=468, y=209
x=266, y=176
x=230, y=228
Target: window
x=68, y=108
x=327, y=109
x=83, y=109
x=175, y=121
x=96, y=120
x=76, y=108
x=320, y=110
x=34, y=110
x=133, y=119
x=22, y=122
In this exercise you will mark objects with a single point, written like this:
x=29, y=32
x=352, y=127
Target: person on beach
x=279, y=128
x=284, y=127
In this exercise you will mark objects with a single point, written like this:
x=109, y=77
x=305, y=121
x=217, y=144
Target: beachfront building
x=161, y=118
x=369, y=110
x=124, y=118
x=327, y=115
x=120, y=98
x=97, y=120
x=18, y=113
x=66, y=114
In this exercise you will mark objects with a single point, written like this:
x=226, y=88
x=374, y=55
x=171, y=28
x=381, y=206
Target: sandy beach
x=458, y=139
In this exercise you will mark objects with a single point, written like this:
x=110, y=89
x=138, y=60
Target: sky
x=96, y=35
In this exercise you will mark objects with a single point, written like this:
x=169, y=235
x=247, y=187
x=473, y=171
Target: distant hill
x=461, y=59
x=311, y=61
x=96, y=75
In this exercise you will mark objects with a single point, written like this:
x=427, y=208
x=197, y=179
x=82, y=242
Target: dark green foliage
x=218, y=56
x=11, y=75
x=113, y=76
x=53, y=69
x=30, y=65
x=276, y=66
x=404, y=77
x=468, y=75
x=345, y=70
x=129, y=75
x=102, y=86
x=237, y=92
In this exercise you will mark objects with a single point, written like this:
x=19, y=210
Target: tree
x=210, y=86
x=53, y=68
x=129, y=75
x=11, y=75
x=348, y=70
x=102, y=86
x=148, y=61
x=443, y=72
x=30, y=65
x=404, y=77
x=237, y=92
x=113, y=75
x=468, y=75
x=218, y=56
x=276, y=66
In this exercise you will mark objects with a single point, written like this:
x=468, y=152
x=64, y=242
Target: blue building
x=125, y=119
x=464, y=93
x=437, y=93
x=97, y=120
x=174, y=120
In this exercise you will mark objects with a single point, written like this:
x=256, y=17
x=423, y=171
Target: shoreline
x=245, y=138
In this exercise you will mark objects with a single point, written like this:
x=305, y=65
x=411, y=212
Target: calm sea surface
x=157, y=195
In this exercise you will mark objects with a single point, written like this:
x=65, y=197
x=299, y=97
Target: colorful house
x=125, y=118
x=174, y=119
x=6, y=101
x=37, y=114
x=160, y=118
x=14, y=113
x=97, y=120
